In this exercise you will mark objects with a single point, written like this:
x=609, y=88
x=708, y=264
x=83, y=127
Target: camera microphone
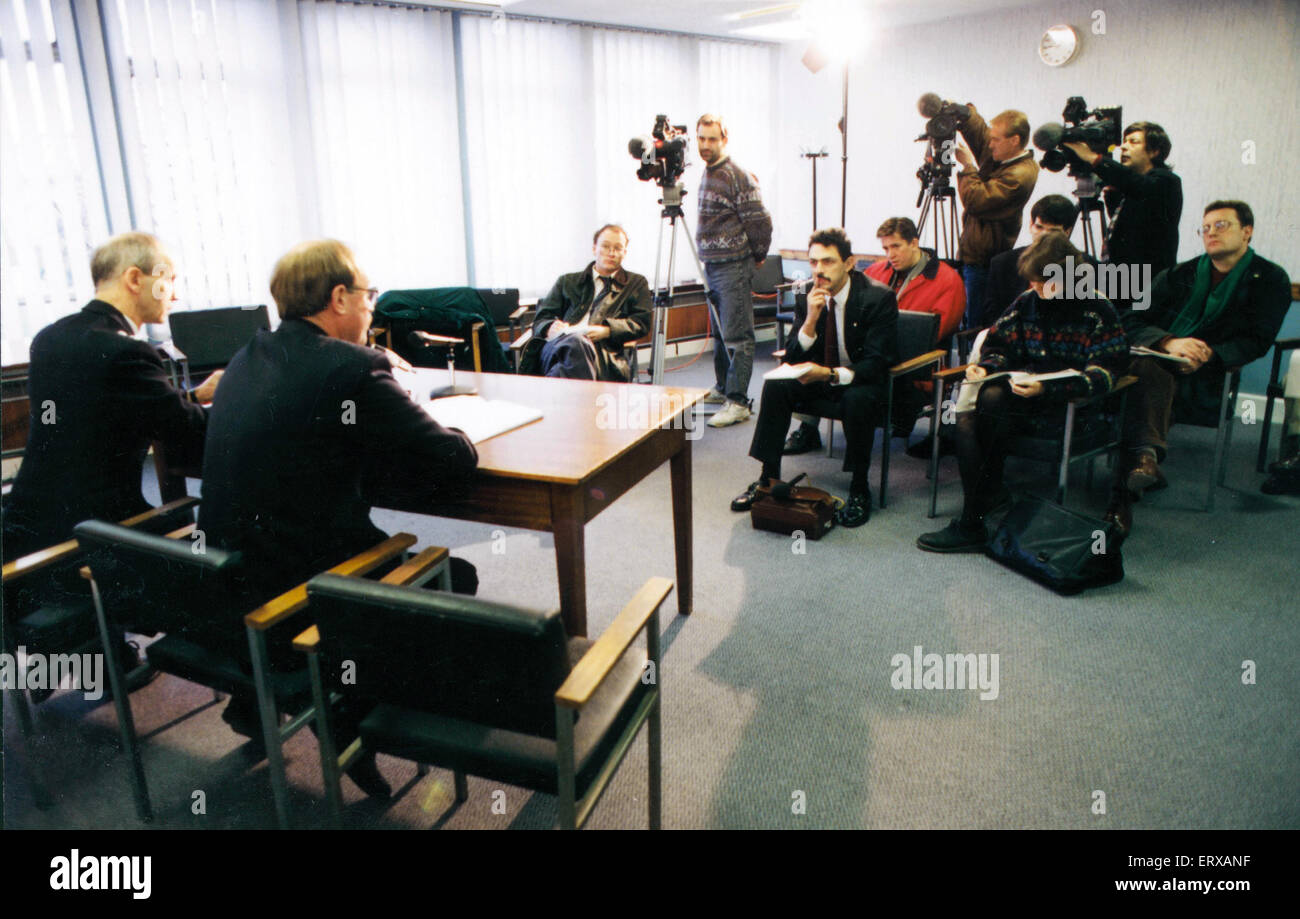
x=1048, y=136
x=929, y=105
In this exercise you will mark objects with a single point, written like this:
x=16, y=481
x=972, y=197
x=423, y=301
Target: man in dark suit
x=589, y=316
x=99, y=395
x=305, y=414
x=847, y=341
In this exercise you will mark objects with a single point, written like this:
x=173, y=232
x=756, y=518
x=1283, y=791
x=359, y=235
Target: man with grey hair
x=99, y=396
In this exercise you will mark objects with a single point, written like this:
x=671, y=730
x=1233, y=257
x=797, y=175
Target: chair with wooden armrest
x=1276, y=389
x=46, y=612
x=185, y=590
x=916, y=339
x=490, y=690
x=1085, y=435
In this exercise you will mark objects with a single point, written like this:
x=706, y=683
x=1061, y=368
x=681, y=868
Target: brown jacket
x=994, y=198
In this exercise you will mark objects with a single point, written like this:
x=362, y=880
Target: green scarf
x=1204, y=306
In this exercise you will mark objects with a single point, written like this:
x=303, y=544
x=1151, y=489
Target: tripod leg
x=708, y=293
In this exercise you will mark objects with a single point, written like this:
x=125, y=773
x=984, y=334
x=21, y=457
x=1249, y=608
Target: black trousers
x=859, y=407
x=982, y=437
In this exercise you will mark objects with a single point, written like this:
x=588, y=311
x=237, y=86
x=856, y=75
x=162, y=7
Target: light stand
x=813, y=156
x=844, y=154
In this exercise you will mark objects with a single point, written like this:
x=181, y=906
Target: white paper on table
x=480, y=418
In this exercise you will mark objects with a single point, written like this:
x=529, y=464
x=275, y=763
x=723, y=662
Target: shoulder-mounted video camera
x=1101, y=129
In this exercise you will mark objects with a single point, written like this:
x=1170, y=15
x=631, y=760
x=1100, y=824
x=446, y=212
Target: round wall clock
x=1058, y=45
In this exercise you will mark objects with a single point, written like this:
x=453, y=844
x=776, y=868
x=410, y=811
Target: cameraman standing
x=997, y=178
x=1145, y=201
x=733, y=235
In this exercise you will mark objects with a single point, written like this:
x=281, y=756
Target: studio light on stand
x=838, y=29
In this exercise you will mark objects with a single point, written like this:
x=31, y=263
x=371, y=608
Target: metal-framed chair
x=185, y=590
x=1276, y=389
x=44, y=613
x=1074, y=445
x=488, y=689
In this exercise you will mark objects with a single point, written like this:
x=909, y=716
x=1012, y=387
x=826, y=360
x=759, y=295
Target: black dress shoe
x=1282, y=483
x=365, y=774
x=803, y=439
x=1289, y=465
x=955, y=537
x=745, y=500
x=856, y=511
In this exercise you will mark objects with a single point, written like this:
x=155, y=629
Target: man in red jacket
x=921, y=282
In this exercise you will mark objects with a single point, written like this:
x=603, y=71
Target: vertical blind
x=51, y=209
x=245, y=126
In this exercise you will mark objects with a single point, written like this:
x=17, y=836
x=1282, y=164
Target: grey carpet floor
x=779, y=710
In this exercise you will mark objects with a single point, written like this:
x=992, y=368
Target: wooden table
x=594, y=442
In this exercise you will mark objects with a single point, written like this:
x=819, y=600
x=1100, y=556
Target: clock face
x=1058, y=45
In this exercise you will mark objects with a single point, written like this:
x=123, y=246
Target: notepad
x=786, y=372
x=1021, y=376
x=1140, y=351
x=480, y=418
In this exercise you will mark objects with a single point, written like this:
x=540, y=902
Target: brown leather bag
x=783, y=507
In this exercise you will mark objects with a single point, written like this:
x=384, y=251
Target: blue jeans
x=976, y=277
x=733, y=344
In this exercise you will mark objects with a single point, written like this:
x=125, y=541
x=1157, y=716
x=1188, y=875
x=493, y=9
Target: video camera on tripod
x=937, y=192
x=662, y=153
x=941, y=135
x=1100, y=129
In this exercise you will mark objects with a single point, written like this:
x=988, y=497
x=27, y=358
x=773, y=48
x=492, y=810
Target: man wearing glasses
x=1220, y=310
x=307, y=421
x=589, y=316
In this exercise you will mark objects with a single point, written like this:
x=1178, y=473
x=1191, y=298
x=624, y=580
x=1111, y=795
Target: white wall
x=1213, y=74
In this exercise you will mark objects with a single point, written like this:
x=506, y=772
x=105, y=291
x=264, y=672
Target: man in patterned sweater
x=1041, y=332
x=733, y=235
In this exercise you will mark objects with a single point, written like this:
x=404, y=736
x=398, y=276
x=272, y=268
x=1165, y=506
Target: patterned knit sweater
x=1042, y=336
x=733, y=222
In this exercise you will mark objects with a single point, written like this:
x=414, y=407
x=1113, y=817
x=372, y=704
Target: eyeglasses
x=371, y=292
x=1217, y=227
x=614, y=250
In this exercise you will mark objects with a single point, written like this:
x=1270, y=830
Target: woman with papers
x=1044, y=350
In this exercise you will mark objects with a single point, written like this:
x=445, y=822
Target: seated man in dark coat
x=583, y=324
x=304, y=413
x=99, y=395
x=846, y=344
x=1050, y=212
x=1220, y=310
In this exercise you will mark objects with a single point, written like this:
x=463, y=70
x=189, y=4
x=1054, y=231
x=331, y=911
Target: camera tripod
x=940, y=197
x=663, y=299
x=1085, y=190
